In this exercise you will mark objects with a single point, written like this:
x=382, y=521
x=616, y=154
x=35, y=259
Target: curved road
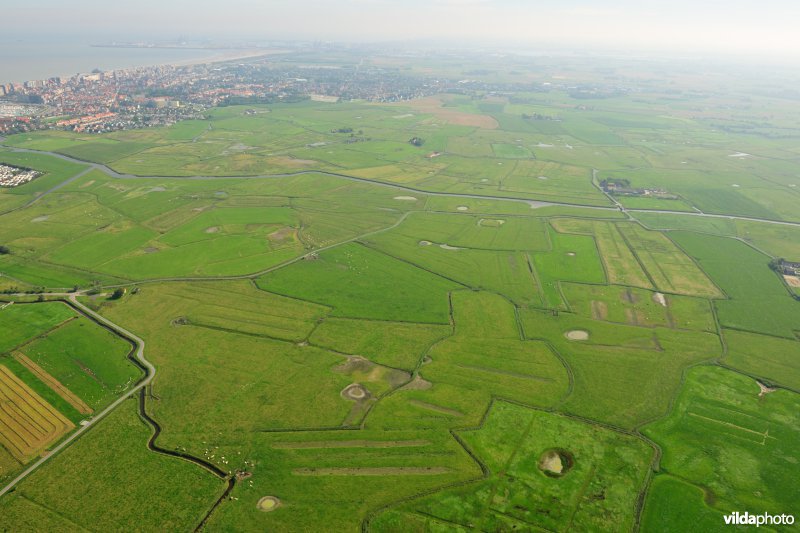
x=533, y=203
x=150, y=369
x=139, y=354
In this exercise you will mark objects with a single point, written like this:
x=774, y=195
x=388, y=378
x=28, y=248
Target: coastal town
x=104, y=101
x=162, y=95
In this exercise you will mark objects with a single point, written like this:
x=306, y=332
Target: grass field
x=86, y=359
x=622, y=266
x=734, y=445
x=22, y=322
x=361, y=283
x=639, y=307
x=773, y=359
x=517, y=492
x=669, y=268
x=573, y=258
x=757, y=299
x=125, y=482
x=494, y=346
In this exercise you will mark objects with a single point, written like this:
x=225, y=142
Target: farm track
x=531, y=202
x=137, y=356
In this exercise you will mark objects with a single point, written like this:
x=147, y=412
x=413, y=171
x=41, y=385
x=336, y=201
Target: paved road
x=151, y=372
x=533, y=203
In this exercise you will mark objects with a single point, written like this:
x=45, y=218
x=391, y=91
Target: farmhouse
x=622, y=187
x=790, y=268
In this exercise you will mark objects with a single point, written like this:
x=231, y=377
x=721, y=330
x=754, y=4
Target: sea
x=23, y=59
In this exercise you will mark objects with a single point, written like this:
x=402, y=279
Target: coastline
x=221, y=56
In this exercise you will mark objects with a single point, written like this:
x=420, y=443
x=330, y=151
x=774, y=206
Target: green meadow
x=363, y=334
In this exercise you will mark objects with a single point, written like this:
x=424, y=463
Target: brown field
x=54, y=384
x=27, y=422
x=434, y=106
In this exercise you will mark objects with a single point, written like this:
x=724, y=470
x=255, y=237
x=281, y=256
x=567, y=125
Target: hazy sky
x=717, y=25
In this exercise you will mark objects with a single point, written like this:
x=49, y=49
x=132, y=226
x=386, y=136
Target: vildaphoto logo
x=766, y=519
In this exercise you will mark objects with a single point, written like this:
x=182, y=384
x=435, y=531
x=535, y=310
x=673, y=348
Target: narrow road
x=532, y=203
x=139, y=355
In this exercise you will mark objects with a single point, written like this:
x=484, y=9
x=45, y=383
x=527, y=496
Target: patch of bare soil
x=628, y=296
x=448, y=247
x=764, y=389
x=436, y=408
x=268, y=503
x=462, y=208
x=150, y=250
x=556, y=462
x=599, y=310
x=793, y=281
x=577, y=335
x=281, y=234
x=87, y=184
x=212, y=229
x=291, y=162
x=405, y=198
x=491, y=222
x=355, y=363
x=435, y=106
x=571, y=254
x=418, y=383
x=660, y=299
x=425, y=243
x=40, y=219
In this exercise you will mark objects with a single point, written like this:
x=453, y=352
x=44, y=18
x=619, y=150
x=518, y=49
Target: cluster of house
x=622, y=187
x=790, y=268
x=14, y=177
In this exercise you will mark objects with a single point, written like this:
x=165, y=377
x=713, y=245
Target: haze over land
x=731, y=27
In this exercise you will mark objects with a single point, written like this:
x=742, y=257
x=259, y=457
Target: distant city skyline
x=712, y=26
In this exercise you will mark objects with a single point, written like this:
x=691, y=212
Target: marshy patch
x=491, y=222
x=356, y=392
x=556, y=462
x=268, y=503
x=577, y=335
x=180, y=321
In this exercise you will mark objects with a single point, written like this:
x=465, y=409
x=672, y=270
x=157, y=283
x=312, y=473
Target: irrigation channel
x=531, y=202
x=137, y=356
x=149, y=369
